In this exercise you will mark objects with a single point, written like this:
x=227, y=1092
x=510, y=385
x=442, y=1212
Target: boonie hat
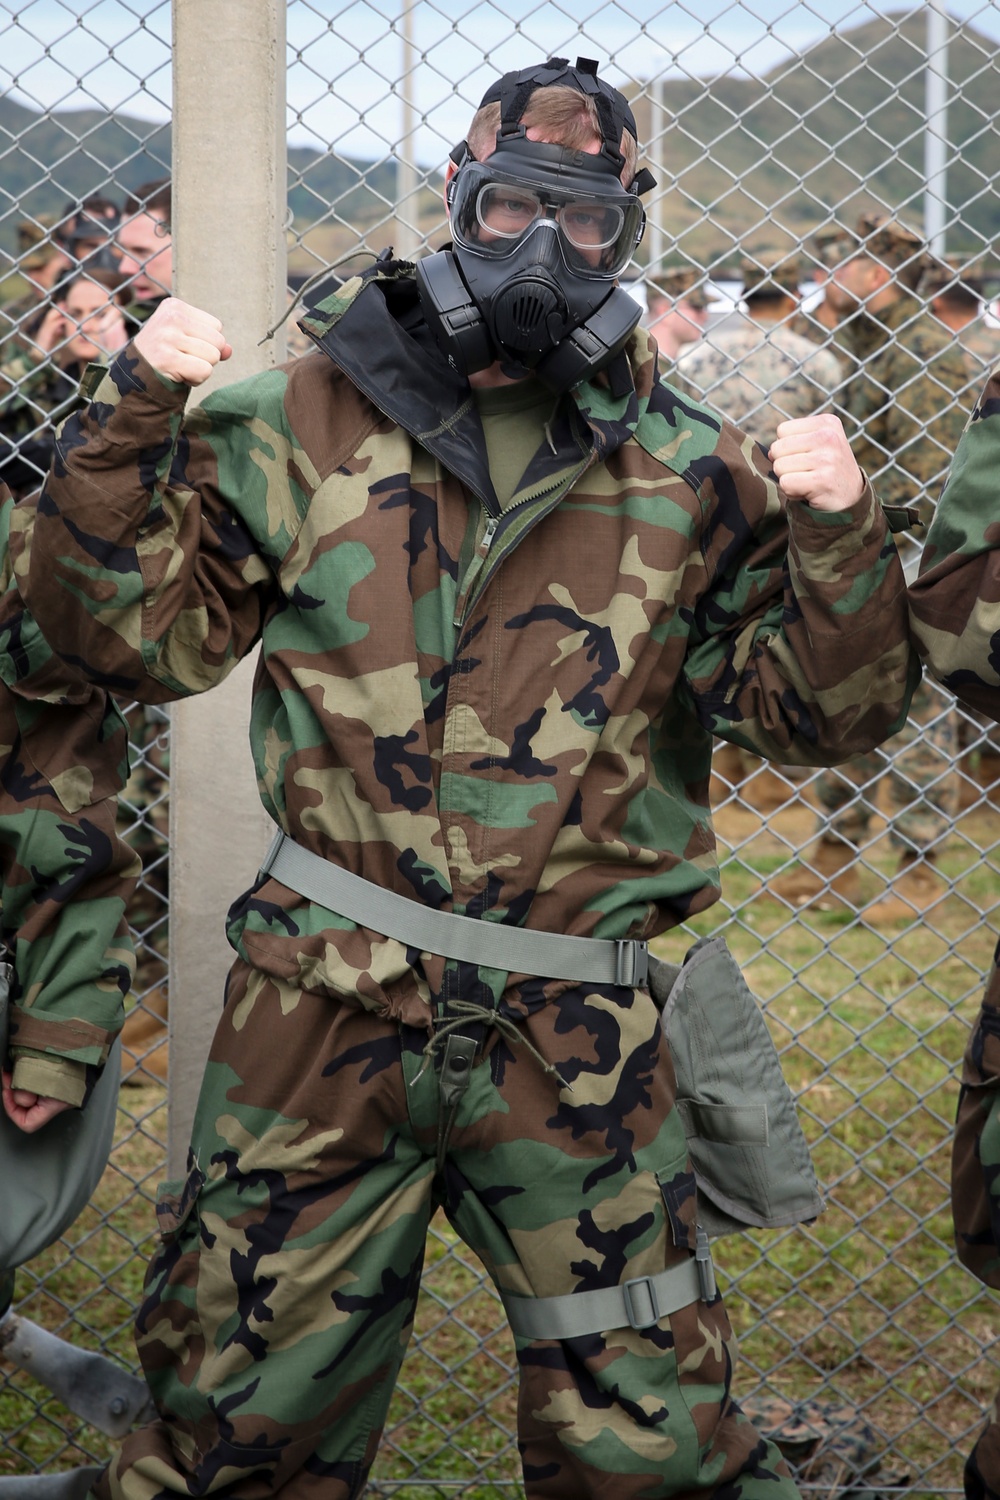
x=685, y=282
x=770, y=273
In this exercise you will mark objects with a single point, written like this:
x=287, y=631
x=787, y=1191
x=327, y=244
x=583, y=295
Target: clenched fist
x=182, y=342
x=812, y=460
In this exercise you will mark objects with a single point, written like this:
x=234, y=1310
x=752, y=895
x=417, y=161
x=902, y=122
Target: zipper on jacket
x=476, y=567
x=492, y=526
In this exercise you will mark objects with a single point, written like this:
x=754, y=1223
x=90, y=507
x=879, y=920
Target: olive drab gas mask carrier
x=540, y=235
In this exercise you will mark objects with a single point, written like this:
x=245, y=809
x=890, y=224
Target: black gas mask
x=541, y=234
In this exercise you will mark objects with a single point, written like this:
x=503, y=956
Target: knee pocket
x=175, y=1204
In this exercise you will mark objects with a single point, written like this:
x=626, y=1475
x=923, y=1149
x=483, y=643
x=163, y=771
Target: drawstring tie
x=468, y=1010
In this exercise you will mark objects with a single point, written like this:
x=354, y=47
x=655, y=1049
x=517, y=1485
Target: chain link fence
x=770, y=129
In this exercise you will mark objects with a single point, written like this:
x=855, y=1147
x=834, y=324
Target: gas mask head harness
x=541, y=233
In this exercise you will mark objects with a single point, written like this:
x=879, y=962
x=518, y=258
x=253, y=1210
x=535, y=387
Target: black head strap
x=513, y=91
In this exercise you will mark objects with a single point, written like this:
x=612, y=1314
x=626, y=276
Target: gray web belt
x=492, y=945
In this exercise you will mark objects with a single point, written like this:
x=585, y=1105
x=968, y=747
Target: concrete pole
x=656, y=229
x=936, y=129
x=229, y=194
x=407, y=231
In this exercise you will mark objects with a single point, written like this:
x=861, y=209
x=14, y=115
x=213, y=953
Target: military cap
x=889, y=240
x=35, y=247
x=684, y=282
x=950, y=274
x=770, y=273
x=833, y=244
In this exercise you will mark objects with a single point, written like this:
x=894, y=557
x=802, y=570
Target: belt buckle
x=641, y=1319
x=631, y=963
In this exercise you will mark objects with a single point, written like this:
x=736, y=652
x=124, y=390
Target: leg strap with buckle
x=638, y=1303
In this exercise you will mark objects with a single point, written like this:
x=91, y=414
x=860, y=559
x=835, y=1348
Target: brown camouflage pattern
x=64, y=875
x=508, y=715
x=393, y=735
x=760, y=374
x=955, y=610
x=310, y=1189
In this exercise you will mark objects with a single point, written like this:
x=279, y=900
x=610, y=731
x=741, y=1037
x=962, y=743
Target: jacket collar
x=373, y=330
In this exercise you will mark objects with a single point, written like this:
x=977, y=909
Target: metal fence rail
x=765, y=126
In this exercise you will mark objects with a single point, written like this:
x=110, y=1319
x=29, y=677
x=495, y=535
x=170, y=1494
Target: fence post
x=229, y=254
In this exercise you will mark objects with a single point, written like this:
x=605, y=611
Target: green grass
x=866, y=1307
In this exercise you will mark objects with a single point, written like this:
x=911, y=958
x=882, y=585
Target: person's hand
x=813, y=462
x=51, y=330
x=182, y=342
x=28, y=1111
x=108, y=332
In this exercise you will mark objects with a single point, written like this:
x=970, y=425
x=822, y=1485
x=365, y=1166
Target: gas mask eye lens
x=506, y=211
x=590, y=226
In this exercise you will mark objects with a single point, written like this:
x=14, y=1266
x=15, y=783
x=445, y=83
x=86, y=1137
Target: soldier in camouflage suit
x=954, y=290
x=754, y=369
x=491, y=689
x=758, y=372
x=828, y=322
x=905, y=417
x=64, y=875
x=679, y=301
x=955, y=609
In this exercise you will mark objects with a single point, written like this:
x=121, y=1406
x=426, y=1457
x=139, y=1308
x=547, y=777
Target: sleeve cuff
x=50, y=1077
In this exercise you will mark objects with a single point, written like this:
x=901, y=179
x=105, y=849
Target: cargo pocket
x=704, y=1345
x=174, y=1203
x=680, y=1199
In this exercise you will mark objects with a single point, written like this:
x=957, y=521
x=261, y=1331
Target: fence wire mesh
x=771, y=129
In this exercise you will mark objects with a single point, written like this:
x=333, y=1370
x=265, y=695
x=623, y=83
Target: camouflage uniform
x=450, y=708
x=65, y=875
x=759, y=373
x=35, y=394
x=956, y=623
x=904, y=416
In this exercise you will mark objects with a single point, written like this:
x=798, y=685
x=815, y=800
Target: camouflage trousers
x=975, y=1198
x=277, y=1311
x=982, y=1467
x=922, y=787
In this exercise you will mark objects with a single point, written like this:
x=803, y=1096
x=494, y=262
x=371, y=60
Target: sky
x=345, y=59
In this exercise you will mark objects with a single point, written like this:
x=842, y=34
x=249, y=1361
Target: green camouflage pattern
x=35, y=394
x=955, y=610
x=566, y=788
x=955, y=613
x=759, y=374
x=504, y=714
x=902, y=407
x=65, y=875
x=278, y=1309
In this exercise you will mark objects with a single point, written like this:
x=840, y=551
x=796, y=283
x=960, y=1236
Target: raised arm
x=801, y=649
x=135, y=560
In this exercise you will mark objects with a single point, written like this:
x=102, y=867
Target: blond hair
x=564, y=113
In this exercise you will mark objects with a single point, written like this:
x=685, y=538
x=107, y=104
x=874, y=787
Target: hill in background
x=743, y=161
x=838, y=128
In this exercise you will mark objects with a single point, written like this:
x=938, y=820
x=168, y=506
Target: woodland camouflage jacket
x=955, y=606
x=507, y=715
x=64, y=875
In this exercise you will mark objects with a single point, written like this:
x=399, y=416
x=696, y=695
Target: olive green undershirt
x=513, y=418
